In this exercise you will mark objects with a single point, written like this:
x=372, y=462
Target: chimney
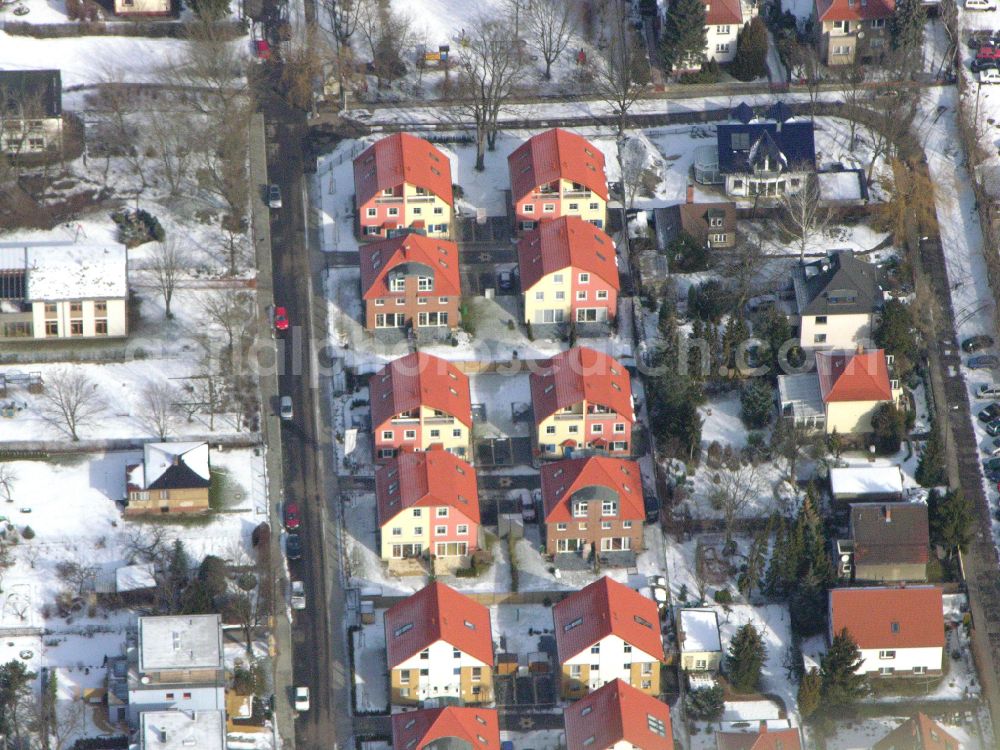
x=860, y=348
x=177, y=459
x=690, y=193
x=888, y=514
x=763, y=727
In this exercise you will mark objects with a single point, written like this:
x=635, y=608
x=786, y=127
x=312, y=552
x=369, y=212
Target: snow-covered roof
x=866, y=480
x=180, y=642
x=67, y=271
x=701, y=631
x=172, y=466
x=182, y=730
x=839, y=186
x=134, y=577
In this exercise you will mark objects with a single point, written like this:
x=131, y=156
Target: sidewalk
x=281, y=631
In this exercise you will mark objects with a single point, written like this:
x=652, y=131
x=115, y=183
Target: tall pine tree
x=746, y=659
x=951, y=519
x=930, y=469
x=908, y=21
x=841, y=683
x=684, y=35
x=810, y=693
x=751, y=51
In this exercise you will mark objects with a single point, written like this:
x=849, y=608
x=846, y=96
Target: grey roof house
x=888, y=542
x=838, y=299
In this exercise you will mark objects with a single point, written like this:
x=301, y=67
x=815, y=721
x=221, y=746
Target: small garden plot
x=371, y=670
x=365, y=568
x=507, y=400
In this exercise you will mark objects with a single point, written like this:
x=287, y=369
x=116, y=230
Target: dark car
x=991, y=467
x=990, y=413
x=293, y=547
x=505, y=281
x=984, y=361
x=292, y=518
x=652, y=506
x=975, y=343
x=993, y=428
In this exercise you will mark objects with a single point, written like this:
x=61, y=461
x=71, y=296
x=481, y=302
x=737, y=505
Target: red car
x=280, y=318
x=291, y=516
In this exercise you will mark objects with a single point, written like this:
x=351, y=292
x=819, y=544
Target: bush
x=709, y=301
x=138, y=227
x=723, y=596
x=709, y=73
x=28, y=533
x=888, y=428
x=706, y=703
x=686, y=254
x=756, y=403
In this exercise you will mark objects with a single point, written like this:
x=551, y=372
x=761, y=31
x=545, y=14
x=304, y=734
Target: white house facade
x=609, y=659
x=440, y=668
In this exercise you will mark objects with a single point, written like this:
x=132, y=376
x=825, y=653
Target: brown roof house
x=172, y=478
x=712, y=225
x=918, y=733
x=888, y=542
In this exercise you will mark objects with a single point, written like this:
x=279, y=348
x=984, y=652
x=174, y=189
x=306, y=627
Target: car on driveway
x=991, y=467
x=293, y=547
x=292, y=518
x=505, y=282
x=984, y=361
x=974, y=343
x=281, y=318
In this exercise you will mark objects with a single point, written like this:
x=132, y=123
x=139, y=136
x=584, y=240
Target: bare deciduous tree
x=122, y=135
x=70, y=401
x=620, y=68
x=167, y=263
x=147, y=544
x=340, y=19
x=632, y=157
x=170, y=132
x=76, y=576
x=231, y=310
x=8, y=477
x=387, y=32
x=550, y=25
x=739, y=486
x=803, y=218
x=489, y=68
x=159, y=410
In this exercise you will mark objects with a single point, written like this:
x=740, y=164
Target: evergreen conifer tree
x=746, y=659
x=841, y=683
x=684, y=35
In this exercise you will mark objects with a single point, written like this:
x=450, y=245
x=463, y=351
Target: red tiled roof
x=577, y=374
x=552, y=155
x=561, y=479
x=428, y=479
x=723, y=12
x=419, y=379
x=887, y=618
x=917, y=733
x=854, y=10
x=415, y=730
x=566, y=242
x=605, y=608
x=763, y=739
x=400, y=158
x=617, y=712
x=853, y=376
x=438, y=613
x=441, y=256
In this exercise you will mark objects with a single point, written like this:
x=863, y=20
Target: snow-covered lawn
x=861, y=735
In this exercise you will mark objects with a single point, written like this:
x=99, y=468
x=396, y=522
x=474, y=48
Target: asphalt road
x=317, y=662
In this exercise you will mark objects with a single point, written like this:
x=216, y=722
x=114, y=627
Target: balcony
x=388, y=199
x=421, y=199
x=564, y=417
x=577, y=194
x=439, y=420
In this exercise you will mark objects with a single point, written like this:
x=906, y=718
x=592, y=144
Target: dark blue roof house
x=764, y=149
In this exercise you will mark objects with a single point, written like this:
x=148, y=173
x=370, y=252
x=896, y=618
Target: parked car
x=984, y=361
x=989, y=75
x=292, y=518
x=980, y=5
x=993, y=428
x=285, y=409
x=991, y=467
x=298, y=595
x=505, y=281
x=974, y=343
x=986, y=56
x=652, y=506
x=301, y=699
x=992, y=448
x=262, y=49
x=274, y=196
x=528, y=505
x=988, y=390
x=293, y=547
x=281, y=318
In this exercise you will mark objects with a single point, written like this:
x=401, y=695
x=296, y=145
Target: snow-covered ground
x=371, y=671
x=861, y=735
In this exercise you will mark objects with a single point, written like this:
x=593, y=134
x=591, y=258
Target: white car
x=301, y=699
x=298, y=595
x=989, y=75
x=980, y=5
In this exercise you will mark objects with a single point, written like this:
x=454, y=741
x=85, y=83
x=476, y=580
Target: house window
x=435, y=433
x=76, y=327
x=580, y=510
x=722, y=48
x=548, y=208
x=582, y=526
x=821, y=320
x=594, y=206
x=574, y=429
x=440, y=530
x=457, y=433
x=574, y=206
x=101, y=327
x=372, y=213
x=606, y=525
x=656, y=725
x=393, y=212
x=886, y=670
x=718, y=239
x=397, y=531
x=561, y=526
x=595, y=649
x=425, y=283
x=841, y=51
x=819, y=338
x=647, y=668
x=550, y=429
x=894, y=627
x=602, y=294
x=417, y=211
x=410, y=435
x=575, y=670
x=387, y=191
x=438, y=210
x=539, y=296
x=584, y=278
x=581, y=295
x=477, y=674
x=619, y=427
x=878, y=23
x=380, y=303
x=920, y=670
x=528, y=208
x=722, y=29
x=560, y=296
x=441, y=512
x=597, y=428
x=462, y=529
x=609, y=507
x=886, y=654
x=397, y=284
x=626, y=524
x=417, y=513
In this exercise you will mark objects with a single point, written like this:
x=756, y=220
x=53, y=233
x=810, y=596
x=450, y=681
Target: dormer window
x=425, y=283
x=397, y=283
x=580, y=510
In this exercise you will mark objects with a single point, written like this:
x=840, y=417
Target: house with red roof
x=723, y=21
x=843, y=394
x=411, y=281
x=439, y=645
x=449, y=727
x=592, y=505
x=853, y=30
x=420, y=402
x=402, y=181
x=918, y=733
x=607, y=632
x=582, y=401
x=762, y=737
x=900, y=631
x=557, y=173
x=428, y=504
x=569, y=273
x=618, y=716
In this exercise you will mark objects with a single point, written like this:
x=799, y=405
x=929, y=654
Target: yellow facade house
x=172, y=478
